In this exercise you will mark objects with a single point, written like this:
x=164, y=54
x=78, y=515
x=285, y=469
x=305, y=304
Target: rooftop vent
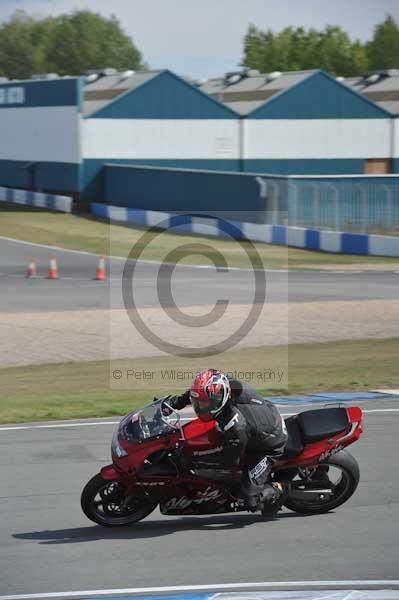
x=126, y=74
x=232, y=78
x=373, y=78
x=247, y=72
x=197, y=82
x=45, y=76
x=273, y=75
x=108, y=71
x=91, y=77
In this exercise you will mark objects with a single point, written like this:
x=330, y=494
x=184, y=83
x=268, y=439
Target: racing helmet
x=209, y=394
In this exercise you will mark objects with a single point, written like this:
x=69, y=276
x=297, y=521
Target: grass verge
x=94, y=235
x=78, y=390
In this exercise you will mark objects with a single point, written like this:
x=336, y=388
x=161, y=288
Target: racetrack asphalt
x=77, y=290
x=48, y=545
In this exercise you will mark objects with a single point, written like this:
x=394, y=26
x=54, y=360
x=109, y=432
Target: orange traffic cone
x=31, y=272
x=53, y=269
x=101, y=274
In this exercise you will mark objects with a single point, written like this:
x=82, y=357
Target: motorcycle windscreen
x=148, y=423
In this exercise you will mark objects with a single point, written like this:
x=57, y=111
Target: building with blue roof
x=155, y=119
x=307, y=122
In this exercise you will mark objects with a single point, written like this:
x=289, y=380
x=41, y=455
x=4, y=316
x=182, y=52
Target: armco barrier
x=298, y=237
x=38, y=199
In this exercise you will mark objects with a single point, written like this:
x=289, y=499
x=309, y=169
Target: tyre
x=271, y=511
x=103, y=502
x=340, y=471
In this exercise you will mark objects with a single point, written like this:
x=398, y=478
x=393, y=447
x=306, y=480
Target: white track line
x=344, y=584
x=381, y=410
x=156, y=262
x=63, y=424
x=47, y=246
x=55, y=426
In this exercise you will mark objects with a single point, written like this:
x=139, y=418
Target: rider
x=249, y=423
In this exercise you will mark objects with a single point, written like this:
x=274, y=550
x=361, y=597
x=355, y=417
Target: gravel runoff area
x=52, y=337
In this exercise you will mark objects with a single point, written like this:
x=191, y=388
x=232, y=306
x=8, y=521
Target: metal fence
x=363, y=204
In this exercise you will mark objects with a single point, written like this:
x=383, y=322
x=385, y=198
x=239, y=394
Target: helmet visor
x=209, y=405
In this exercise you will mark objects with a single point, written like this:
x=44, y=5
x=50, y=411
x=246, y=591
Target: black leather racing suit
x=251, y=426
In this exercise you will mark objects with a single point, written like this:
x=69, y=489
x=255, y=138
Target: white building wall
x=49, y=134
x=317, y=138
x=200, y=139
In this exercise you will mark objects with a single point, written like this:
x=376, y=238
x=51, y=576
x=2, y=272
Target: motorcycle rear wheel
x=103, y=502
x=343, y=489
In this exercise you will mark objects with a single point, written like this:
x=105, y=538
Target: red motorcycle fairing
x=177, y=493
x=198, y=436
x=109, y=473
x=202, y=438
x=187, y=494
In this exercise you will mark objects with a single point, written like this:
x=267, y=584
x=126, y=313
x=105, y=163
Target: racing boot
x=256, y=490
x=272, y=492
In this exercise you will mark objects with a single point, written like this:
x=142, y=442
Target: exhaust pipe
x=316, y=494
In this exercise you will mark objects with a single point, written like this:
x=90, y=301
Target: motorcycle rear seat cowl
x=312, y=426
x=318, y=425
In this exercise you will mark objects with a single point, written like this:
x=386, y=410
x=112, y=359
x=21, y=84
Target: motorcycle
x=159, y=460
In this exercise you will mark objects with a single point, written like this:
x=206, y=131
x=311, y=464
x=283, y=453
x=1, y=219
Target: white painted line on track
x=345, y=584
x=382, y=410
x=368, y=411
x=47, y=246
x=156, y=262
x=56, y=426
x=63, y=424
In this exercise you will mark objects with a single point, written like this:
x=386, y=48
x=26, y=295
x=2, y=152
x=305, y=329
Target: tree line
x=296, y=49
x=73, y=43
x=68, y=45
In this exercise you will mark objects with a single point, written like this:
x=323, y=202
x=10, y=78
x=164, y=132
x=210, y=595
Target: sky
x=204, y=38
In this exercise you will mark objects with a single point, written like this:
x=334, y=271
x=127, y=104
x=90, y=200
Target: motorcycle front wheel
x=104, y=502
x=339, y=472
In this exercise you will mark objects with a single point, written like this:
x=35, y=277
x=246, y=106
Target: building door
x=375, y=166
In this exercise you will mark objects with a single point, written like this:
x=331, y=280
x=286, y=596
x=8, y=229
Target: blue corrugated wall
x=63, y=177
x=14, y=173
x=94, y=171
x=305, y=166
x=188, y=191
